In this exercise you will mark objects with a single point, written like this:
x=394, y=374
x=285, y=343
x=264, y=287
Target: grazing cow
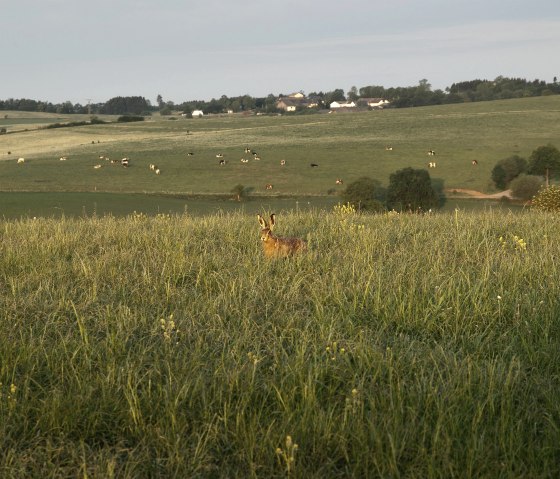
x=389, y=148
x=219, y=155
x=153, y=167
x=339, y=181
x=474, y=162
x=282, y=162
x=124, y=162
x=97, y=167
x=431, y=153
x=432, y=164
x=268, y=186
x=247, y=150
x=63, y=158
x=244, y=160
x=314, y=165
x=157, y=171
x=21, y=160
x=222, y=162
x=190, y=153
x=256, y=158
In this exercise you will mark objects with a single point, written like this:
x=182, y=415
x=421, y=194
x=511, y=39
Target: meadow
x=143, y=333
x=344, y=145
x=167, y=346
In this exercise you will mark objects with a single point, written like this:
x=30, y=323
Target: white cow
x=21, y=160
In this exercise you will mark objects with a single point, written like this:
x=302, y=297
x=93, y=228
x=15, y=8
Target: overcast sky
x=75, y=50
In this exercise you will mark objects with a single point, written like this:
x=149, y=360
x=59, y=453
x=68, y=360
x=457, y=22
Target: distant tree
x=129, y=105
x=159, y=101
x=545, y=160
x=239, y=191
x=335, y=95
x=363, y=194
x=411, y=190
x=353, y=94
x=373, y=92
x=525, y=187
x=270, y=104
x=507, y=169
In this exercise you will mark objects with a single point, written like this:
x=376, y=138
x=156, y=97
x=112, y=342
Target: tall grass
x=399, y=346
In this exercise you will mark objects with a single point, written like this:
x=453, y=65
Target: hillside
x=344, y=146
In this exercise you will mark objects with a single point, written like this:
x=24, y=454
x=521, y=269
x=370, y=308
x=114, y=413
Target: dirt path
x=477, y=194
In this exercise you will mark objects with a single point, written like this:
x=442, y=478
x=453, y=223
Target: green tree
x=411, y=190
x=507, y=169
x=353, y=94
x=129, y=105
x=239, y=192
x=526, y=187
x=363, y=194
x=335, y=95
x=545, y=160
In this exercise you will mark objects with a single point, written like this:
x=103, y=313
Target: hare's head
x=276, y=247
x=267, y=228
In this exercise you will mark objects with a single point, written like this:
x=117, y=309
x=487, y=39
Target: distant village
x=299, y=101
x=371, y=97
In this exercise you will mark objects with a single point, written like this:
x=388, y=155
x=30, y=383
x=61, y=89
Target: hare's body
x=275, y=246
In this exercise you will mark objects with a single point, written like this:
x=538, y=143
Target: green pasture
x=397, y=346
x=344, y=145
x=14, y=205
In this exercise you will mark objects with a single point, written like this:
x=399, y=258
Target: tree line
x=400, y=97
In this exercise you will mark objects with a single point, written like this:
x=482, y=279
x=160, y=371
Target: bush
x=547, y=199
x=526, y=187
x=411, y=190
x=362, y=194
x=128, y=118
x=508, y=169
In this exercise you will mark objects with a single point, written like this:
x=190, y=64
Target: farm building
x=294, y=101
x=197, y=113
x=342, y=104
x=373, y=102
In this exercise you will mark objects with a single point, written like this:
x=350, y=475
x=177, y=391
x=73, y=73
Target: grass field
x=167, y=346
x=344, y=146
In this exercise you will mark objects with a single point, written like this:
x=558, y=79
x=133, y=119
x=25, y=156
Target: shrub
x=128, y=118
x=508, y=169
x=547, y=199
x=525, y=187
x=411, y=190
x=362, y=194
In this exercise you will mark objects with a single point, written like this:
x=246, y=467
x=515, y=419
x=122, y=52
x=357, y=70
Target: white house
x=342, y=104
x=197, y=113
x=374, y=102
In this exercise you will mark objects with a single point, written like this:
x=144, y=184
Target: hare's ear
x=272, y=220
x=262, y=222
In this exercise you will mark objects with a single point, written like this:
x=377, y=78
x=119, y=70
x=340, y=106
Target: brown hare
x=278, y=247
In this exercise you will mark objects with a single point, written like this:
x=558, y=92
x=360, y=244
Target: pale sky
x=76, y=50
